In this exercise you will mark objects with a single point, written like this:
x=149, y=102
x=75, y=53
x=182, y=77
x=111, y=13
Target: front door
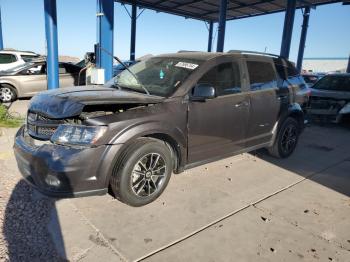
x=217, y=126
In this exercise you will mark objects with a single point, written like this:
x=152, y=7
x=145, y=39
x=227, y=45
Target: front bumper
x=63, y=171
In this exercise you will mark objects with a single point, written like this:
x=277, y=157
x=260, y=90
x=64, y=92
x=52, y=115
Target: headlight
x=77, y=135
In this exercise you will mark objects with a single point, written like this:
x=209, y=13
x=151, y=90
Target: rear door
x=32, y=80
x=217, y=126
x=66, y=79
x=264, y=100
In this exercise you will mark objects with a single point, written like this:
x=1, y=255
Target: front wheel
x=143, y=172
x=286, y=140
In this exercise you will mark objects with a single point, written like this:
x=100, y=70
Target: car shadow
x=321, y=156
x=30, y=224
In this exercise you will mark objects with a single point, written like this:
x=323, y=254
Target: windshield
x=334, y=82
x=160, y=76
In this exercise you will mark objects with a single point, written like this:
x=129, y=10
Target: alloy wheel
x=289, y=139
x=6, y=94
x=148, y=175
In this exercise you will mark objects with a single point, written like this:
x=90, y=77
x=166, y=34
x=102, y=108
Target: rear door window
x=7, y=58
x=225, y=78
x=72, y=69
x=28, y=58
x=261, y=75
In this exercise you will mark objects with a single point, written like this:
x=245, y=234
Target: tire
x=286, y=140
x=142, y=172
x=7, y=93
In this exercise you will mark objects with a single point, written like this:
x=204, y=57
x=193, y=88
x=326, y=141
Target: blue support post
x=222, y=26
x=288, y=28
x=304, y=28
x=1, y=39
x=51, y=44
x=105, y=26
x=348, y=68
x=210, y=38
x=133, y=31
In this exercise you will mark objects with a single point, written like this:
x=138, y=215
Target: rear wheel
x=7, y=93
x=286, y=140
x=143, y=172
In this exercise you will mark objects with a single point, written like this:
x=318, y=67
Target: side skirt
x=245, y=150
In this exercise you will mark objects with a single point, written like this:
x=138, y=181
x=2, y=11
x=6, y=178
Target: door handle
x=240, y=104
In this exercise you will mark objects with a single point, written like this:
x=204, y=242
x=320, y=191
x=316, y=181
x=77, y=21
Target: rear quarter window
x=28, y=58
x=261, y=75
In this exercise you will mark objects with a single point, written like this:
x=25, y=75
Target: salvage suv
x=160, y=116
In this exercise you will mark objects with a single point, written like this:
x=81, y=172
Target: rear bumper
x=62, y=171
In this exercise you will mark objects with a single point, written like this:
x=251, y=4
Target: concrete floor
x=250, y=207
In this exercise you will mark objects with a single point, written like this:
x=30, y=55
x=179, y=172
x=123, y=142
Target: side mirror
x=201, y=92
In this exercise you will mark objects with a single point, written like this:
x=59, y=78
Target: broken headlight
x=78, y=135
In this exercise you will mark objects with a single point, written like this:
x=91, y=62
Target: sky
x=157, y=33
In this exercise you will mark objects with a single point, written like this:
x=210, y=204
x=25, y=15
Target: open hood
x=70, y=102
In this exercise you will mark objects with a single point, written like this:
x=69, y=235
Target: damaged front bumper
x=332, y=109
x=63, y=171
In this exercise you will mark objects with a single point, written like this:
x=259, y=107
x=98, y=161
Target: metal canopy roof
x=208, y=10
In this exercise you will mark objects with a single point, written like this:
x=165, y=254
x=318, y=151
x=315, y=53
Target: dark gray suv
x=163, y=115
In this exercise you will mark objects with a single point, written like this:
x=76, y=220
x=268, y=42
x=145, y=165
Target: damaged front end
x=328, y=108
x=64, y=149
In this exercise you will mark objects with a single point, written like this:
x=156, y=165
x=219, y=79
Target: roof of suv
x=18, y=52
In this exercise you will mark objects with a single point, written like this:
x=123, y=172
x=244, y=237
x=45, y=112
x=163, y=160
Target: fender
x=295, y=111
x=154, y=128
x=11, y=83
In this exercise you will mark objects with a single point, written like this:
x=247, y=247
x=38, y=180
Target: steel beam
x=222, y=26
x=288, y=28
x=1, y=39
x=133, y=31
x=51, y=44
x=210, y=38
x=105, y=27
x=303, y=35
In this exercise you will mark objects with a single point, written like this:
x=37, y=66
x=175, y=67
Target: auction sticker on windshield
x=186, y=65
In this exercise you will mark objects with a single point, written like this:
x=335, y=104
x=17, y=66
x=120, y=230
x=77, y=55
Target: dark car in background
x=168, y=113
x=330, y=98
x=117, y=69
x=311, y=79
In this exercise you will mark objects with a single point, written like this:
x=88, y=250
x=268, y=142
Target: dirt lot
x=250, y=207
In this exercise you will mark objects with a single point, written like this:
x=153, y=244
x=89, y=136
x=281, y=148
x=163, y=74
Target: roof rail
x=187, y=51
x=252, y=53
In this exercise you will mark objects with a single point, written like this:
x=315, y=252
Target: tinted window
x=7, y=58
x=36, y=69
x=338, y=83
x=28, y=58
x=225, y=78
x=291, y=70
x=285, y=68
x=261, y=75
x=72, y=69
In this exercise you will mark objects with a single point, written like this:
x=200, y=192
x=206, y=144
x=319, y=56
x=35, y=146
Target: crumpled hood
x=69, y=102
x=330, y=94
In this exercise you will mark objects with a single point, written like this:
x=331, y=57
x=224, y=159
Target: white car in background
x=10, y=59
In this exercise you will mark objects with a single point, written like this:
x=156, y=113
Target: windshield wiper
x=126, y=67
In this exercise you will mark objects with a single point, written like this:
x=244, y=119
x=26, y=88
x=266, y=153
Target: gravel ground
x=24, y=214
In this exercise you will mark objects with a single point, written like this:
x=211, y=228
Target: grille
x=41, y=127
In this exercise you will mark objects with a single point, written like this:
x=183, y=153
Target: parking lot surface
x=250, y=207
